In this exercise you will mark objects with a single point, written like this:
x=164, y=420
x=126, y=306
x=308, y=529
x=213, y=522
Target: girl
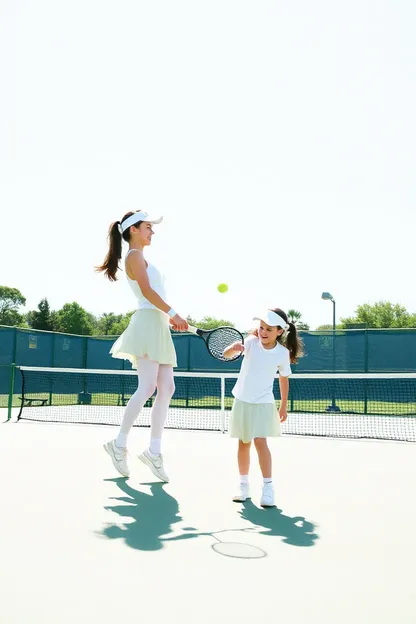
x=147, y=341
x=271, y=348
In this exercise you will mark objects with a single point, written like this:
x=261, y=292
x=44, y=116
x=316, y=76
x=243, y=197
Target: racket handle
x=193, y=330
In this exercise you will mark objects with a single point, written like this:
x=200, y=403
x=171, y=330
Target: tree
x=106, y=322
x=381, y=314
x=209, y=322
x=73, y=319
x=10, y=301
x=93, y=321
x=328, y=326
x=295, y=317
x=120, y=326
x=43, y=318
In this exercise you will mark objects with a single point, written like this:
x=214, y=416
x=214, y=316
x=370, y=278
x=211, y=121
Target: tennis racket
x=218, y=339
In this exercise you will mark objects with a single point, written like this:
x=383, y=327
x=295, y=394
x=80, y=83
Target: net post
x=222, y=379
x=334, y=407
x=84, y=365
x=52, y=364
x=11, y=390
x=188, y=359
x=123, y=367
x=366, y=371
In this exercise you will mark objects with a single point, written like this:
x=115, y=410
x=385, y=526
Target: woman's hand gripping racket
x=219, y=339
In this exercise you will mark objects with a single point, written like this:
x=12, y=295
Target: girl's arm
x=137, y=267
x=230, y=351
x=284, y=393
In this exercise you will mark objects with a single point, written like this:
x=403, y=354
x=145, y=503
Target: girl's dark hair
x=111, y=262
x=290, y=339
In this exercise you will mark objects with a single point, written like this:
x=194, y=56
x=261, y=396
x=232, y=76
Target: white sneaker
x=155, y=463
x=243, y=495
x=267, y=499
x=119, y=457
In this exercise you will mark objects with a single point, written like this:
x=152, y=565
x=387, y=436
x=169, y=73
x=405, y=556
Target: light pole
x=328, y=297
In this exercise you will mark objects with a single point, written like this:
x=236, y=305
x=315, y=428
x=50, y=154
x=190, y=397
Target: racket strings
x=222, y=338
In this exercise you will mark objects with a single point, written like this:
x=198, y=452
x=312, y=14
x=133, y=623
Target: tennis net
x=337, y=405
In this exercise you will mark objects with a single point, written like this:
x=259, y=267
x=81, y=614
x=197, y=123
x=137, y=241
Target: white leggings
x=152, y=376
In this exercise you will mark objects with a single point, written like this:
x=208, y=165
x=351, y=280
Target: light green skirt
x=254, y=420
x=147, y=336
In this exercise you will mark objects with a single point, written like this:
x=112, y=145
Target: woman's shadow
x=295, y=531
x=151, y=516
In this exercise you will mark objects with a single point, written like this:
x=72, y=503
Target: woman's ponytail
x=111, y=263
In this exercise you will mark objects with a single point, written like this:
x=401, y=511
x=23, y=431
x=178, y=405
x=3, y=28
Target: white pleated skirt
x=147, y=336
x=254, y=420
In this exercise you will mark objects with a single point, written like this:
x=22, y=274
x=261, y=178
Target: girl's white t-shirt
x=258, y=370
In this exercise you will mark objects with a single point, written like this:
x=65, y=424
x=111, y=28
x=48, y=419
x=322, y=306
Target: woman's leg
x=147, y=371
x=152, y=457
x=165, y=389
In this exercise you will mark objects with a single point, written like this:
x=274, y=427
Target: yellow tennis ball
x=222, y=288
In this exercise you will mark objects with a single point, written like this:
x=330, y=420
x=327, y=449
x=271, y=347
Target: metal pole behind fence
x=11, y=391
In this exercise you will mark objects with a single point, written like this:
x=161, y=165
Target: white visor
x=139, y=216
x=271, y=318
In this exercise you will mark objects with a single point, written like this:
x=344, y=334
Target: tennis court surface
x=79, y=544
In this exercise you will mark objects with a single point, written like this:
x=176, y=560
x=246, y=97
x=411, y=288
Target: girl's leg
x=265, y=458
x=265, y=461
x=152, y=457
x=243, y=457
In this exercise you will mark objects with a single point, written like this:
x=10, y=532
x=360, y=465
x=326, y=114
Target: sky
x=276, y=138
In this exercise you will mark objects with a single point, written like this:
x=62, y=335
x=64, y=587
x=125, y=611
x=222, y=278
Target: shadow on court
x=150, y=516
x=295, y=531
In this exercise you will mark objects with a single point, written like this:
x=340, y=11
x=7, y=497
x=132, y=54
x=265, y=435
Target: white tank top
x=157, y=283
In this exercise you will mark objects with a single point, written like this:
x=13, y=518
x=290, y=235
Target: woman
x=147, y=341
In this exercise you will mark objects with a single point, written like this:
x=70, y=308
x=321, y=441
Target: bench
x=32, y=402
x=123, y=400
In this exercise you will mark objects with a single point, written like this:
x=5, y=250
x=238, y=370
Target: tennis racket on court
x=218, y=339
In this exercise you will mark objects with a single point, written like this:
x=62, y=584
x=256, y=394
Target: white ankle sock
x=267, y=481
x=244, y=479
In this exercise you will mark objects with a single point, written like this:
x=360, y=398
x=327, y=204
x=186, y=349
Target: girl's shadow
x=152, y=515
x=295, y=531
